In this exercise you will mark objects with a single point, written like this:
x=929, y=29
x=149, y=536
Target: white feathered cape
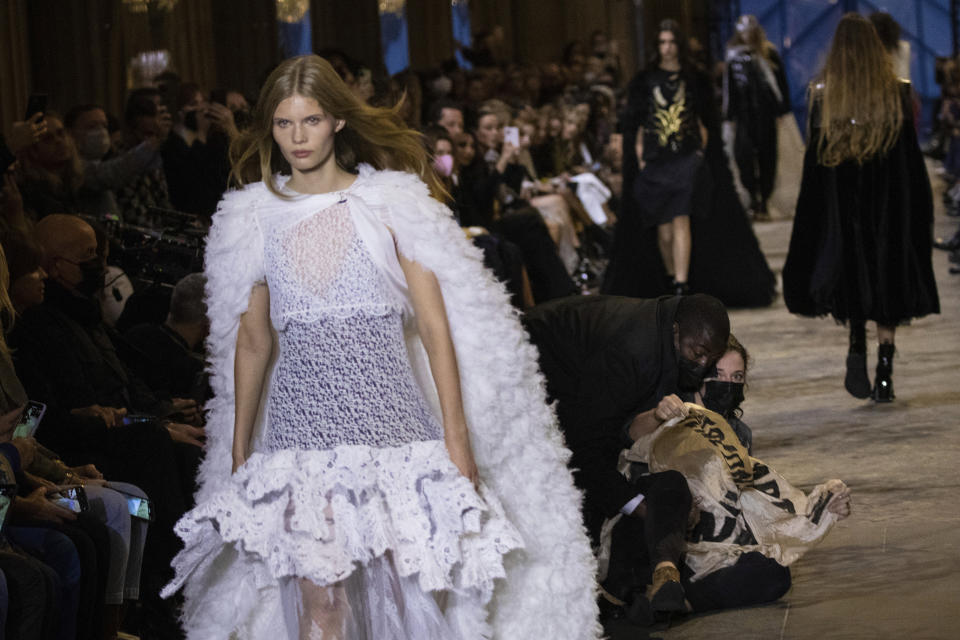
x=549, y=591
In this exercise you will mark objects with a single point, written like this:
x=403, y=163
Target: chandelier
x=292, y=11
x=142, y=6
x=392, y=6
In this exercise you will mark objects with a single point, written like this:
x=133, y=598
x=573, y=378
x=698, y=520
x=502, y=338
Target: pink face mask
x=443, y=164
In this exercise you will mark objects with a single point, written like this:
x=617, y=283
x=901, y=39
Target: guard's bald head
x=65, y=236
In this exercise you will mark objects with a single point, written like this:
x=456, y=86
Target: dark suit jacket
x=606, y=359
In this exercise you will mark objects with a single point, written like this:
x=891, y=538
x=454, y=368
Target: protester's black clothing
x=754, y=579
x=197, y=174
x=606, y=359
x=861, y=242
x=166, y=361
x=726, y=260
x=637, y=545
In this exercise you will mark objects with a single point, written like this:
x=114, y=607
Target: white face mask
x=94, y=144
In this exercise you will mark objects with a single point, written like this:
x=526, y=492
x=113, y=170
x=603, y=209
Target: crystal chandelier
x=292, y=11
x=142, y=6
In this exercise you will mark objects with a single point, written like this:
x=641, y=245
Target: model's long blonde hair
x=859, y=96
x=749, y=33
x=373, y=135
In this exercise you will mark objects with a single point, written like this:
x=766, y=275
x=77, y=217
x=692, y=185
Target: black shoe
x=856, y=381
x=681, y=288
x=883, y=389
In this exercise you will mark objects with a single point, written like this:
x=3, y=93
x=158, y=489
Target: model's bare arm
x=431, y=315
x=254, y=348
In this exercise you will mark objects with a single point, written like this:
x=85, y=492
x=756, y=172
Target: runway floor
x=891, y=570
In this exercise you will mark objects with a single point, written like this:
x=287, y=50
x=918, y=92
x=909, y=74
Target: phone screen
x=139, y=508
x=511, y=135
x=7, y=492
x=73, y=498
x=29, y=420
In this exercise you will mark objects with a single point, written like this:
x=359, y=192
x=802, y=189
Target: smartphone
x=137, y=418
x=511, y=135
x=36, y=103
x=29, y=420
x=219, y=96
x=137, y=506
x=72, y=497
x=7, y=493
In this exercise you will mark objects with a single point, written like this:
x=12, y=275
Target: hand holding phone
x=36, y=103
x=29, y=420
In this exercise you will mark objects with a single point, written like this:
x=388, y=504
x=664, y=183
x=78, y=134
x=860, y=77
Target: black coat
x=606, y=359
x=861, y=242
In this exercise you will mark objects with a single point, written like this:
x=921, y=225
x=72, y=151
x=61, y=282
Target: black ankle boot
x=883, y=390
x=681, y=288
x=856, y=381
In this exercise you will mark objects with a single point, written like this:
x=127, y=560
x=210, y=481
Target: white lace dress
x=352, y=502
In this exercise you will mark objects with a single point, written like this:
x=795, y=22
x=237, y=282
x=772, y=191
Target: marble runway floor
x=891, y=570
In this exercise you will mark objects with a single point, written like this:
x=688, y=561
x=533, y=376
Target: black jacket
x=606, y=359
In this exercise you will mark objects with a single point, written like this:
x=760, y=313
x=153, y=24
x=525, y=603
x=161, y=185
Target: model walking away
x=861, y=243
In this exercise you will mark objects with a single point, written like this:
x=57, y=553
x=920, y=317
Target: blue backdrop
x=802, y=31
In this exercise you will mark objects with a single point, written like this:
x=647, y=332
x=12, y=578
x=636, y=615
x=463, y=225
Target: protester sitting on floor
x=615, y=367
x=750, y=524
x=722, y=390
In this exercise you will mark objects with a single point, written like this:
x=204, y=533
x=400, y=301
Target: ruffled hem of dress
x=318, y=514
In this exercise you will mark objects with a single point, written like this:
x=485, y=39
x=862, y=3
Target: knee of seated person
x=773, y=576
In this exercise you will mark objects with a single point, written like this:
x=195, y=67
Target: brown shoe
x=666, y=593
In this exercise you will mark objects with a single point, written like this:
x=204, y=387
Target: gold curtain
x=430, y=29
x=191, y=42
x=14, y=62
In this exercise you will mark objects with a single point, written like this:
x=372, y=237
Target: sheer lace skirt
x=373, y=603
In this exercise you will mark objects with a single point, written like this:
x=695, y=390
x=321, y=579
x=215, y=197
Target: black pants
x=755, y=151
x=637, y=544
x=754, y=579
x=548, y=277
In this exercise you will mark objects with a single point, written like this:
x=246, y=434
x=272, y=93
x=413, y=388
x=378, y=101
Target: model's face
x=452, y=121
x=27, y=290
x=304, y=133
x=667, y=46
x=489, y=132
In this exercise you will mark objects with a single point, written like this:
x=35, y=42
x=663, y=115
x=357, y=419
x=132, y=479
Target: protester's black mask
x=722, y=397
x=690, y=374
x=93, y=273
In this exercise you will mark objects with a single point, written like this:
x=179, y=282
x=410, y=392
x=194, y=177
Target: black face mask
x=722, y=397
x=93, y=273
x=690, y=374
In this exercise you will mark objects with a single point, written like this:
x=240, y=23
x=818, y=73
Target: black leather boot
x=883, y=390
x=856, y=381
